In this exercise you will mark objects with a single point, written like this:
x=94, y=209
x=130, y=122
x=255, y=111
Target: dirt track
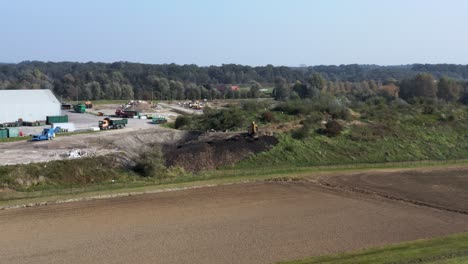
x=250, y=223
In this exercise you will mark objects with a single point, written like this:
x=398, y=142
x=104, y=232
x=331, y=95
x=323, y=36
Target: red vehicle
x=126, y=113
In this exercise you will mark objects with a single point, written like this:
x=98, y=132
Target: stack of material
x=65, y=127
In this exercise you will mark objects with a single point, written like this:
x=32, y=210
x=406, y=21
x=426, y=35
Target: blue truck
x=47, y=134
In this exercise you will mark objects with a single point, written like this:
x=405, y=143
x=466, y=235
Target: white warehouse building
x=29, y=105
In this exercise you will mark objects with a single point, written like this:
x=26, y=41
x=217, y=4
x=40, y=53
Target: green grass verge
x=446, y=250
x=15, y=139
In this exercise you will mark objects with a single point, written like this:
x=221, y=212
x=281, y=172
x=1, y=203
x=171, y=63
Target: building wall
x=30, y=105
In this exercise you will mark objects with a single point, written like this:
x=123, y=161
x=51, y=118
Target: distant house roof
x=223, y=87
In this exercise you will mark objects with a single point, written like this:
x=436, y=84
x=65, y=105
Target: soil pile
x=214, y=151
x=141, y=106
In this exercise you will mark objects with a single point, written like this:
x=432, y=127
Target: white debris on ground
x=74, y=154
x=77, y=153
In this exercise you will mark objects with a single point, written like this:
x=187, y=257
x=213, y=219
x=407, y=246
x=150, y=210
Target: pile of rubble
x=76, y=154
x=137, y=105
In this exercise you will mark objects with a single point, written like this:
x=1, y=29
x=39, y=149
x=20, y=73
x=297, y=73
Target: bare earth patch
x=245, y=223
x=442, y=188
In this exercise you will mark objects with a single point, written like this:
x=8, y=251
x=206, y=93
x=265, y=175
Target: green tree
x=127, y=92
x=281, y=90
x=449, y=89
x=177, y=90
x=317, y=81
x=95, y=89
x=425, y=86
x=255, y=88
x=422, y=85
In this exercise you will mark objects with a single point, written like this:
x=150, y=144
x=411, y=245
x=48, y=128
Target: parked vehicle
x=88, y=104
x=108, y=123
x=79, y=108
x=126, y=113
x=158, y=120
x=66, y=106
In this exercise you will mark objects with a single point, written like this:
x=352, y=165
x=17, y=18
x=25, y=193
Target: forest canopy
x=124, y=80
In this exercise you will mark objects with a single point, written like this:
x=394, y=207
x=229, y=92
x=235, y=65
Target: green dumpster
x=56, y=119
x=3, y=133
x=13, y=132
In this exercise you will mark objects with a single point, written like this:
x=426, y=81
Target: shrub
x=333, y=128
x=151, y=164
x=255, y=105
x=294, y=107
x=182, y=121
x=223, y=119
x=267, y=117
x=301, y=133
x=314, y=118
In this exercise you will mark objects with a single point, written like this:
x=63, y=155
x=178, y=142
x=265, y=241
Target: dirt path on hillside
x=245, y=223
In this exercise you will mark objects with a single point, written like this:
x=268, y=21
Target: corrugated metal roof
x=29, y=105
x=14, y=97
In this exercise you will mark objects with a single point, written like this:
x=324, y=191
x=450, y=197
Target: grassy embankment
x=380, y=134
x=89, y=177
x=447, y=250
x=388, y=138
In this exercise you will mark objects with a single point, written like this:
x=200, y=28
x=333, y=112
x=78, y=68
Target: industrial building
x=29, y=105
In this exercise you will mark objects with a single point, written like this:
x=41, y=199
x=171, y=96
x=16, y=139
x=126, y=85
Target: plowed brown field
x=244, y=223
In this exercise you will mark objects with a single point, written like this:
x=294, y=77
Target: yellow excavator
x=253, y=130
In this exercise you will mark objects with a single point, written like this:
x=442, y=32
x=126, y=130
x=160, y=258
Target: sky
x=250, y=32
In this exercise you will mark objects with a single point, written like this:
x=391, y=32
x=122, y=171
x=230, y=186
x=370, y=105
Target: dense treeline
x=422, y=86
x=122, y=80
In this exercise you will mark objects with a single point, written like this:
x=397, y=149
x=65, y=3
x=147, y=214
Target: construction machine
x=47, y=134
x=253, y=130
x=196, y=105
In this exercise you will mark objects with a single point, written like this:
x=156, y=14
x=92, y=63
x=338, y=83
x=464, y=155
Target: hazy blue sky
x=255, y=32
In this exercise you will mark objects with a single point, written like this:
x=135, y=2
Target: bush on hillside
x=267, y=117
x=333, y=128
x=151, y=164
x=182, y=121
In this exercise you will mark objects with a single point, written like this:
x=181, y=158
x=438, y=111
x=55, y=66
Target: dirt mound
x=140, y=106
x=210, y=152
